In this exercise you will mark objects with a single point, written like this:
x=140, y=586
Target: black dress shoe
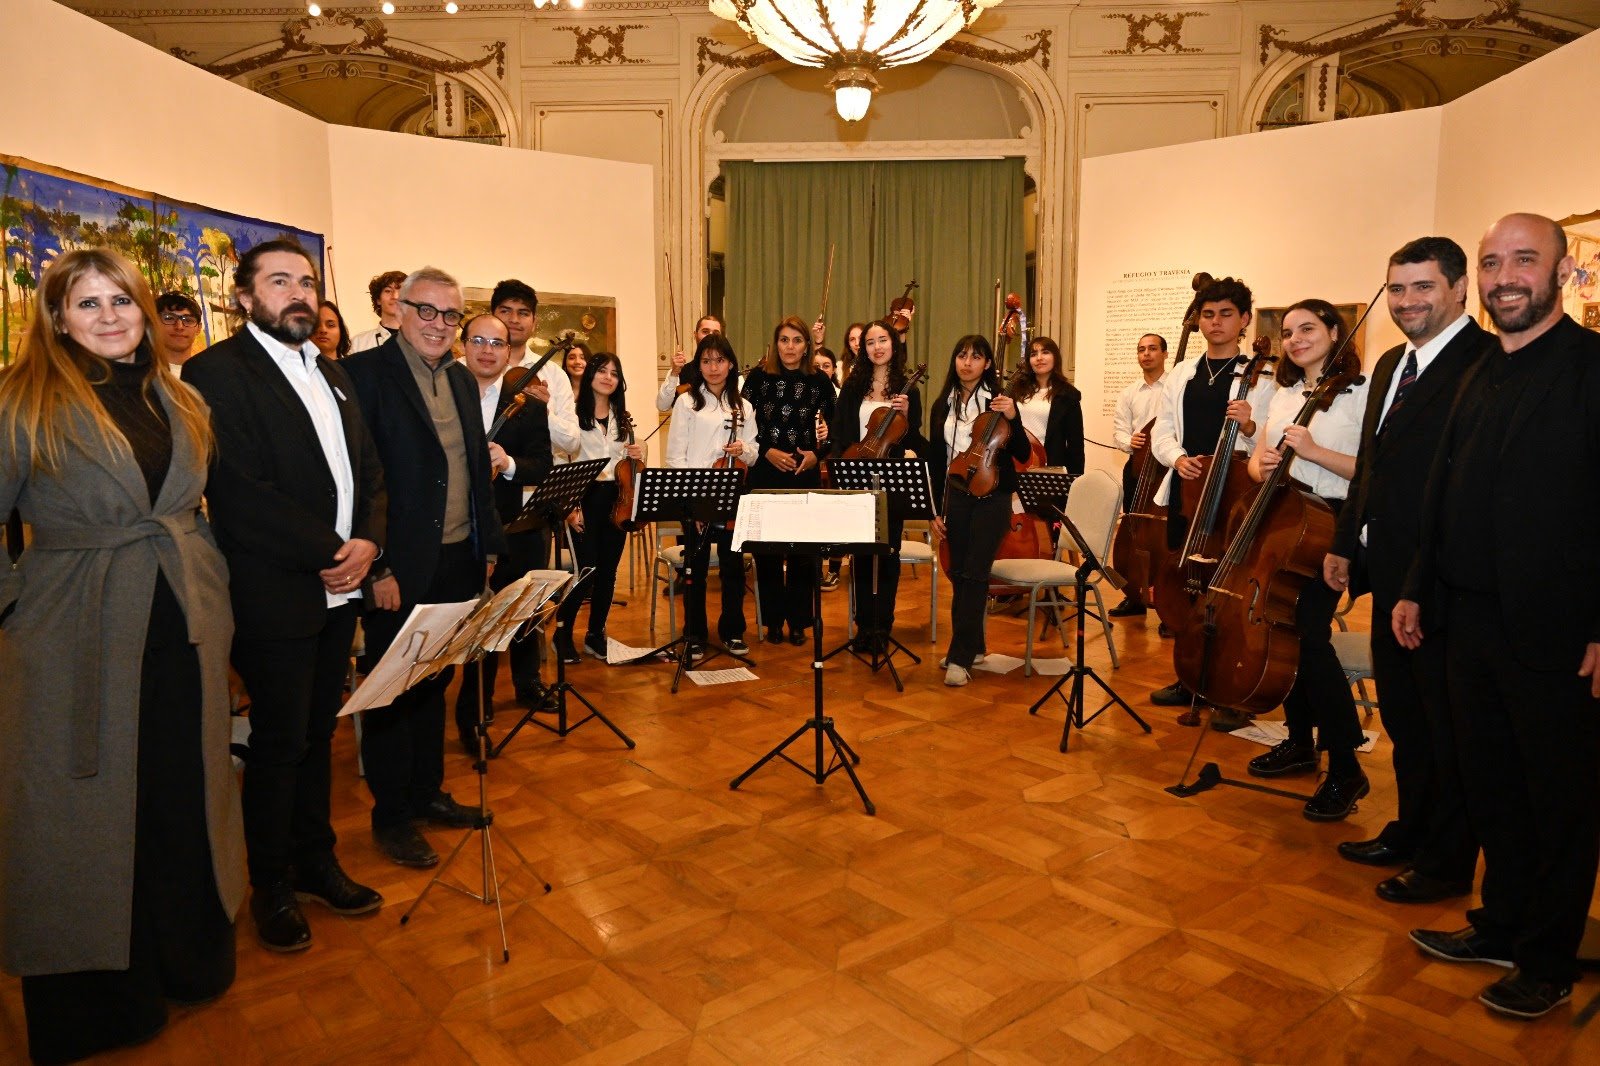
x=404, y=845
x=531, y=695
x=1519, y=996
x=1164, y=631
x=279, y=923
x=1128, y=608
x=442, y=810
x=797, y=637
x=1374, y=852
x=1408, y=886
x=774, y=634
x=1287, y=757
x=325, y=881
x=1336, y=797
x=1463, y=945
x=1174, y=695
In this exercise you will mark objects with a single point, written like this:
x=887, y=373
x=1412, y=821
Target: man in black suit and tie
x=1508, y=579
x=444, y=539
x=1412, y=388
x=520, y=455
x=297, y=501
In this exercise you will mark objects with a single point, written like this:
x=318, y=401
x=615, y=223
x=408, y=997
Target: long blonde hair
x=53, y=375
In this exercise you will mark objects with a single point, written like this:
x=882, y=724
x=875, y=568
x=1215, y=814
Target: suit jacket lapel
x=1441, y=379
x=264, y=367
x=1382, y=375
x=396, y=362
x=349, y=411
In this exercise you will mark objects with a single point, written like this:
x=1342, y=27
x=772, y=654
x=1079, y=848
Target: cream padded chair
x=1093, y=506
x=1355, y=657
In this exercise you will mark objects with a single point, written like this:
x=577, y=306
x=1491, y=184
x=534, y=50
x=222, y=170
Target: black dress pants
x=730, y=572
x=182, y=943
x=875, y=610
x=1529, y=743
x=600, y=545
x=974, y=527
x=402, y=745
x=295, y=691
x=1431, y=823
x=784, y=583
x=1320, y=696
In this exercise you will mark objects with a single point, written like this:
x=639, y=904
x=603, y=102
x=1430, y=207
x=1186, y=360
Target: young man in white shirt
x=1136, y=408
x=385, y=292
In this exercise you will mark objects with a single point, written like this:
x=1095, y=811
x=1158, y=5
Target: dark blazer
x=415, y=463
x=845, y=428
x=1392, y=476
x=526, y=439
x=1541, y=539
x=271, y=494
x=939, y=449
x=1063, y=431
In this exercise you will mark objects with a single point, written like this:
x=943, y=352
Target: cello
x=1140, y=549
x=1208, y=501
x=1244, y=621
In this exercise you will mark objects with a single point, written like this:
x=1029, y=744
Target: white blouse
x=600, y=443
x=1337, y=429
x=696, y=438
x=1035, y=414
x=958, y=430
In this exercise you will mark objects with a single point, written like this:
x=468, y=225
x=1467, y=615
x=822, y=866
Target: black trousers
x=875, y=610
x=974, y=527
x=600, y=545
x=1431, y=822
x=730, y=571
x=182, y=943
x=784, y=582
x=529, y=551
x=1321, y=696
x=295, y=687
x=402, y=745
x=1529, y=744
x=1130, y=484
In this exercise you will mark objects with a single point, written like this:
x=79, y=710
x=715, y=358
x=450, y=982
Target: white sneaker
x=977, y=660
x=955, y=676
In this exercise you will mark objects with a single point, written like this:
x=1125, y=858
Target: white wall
x=1295, y=213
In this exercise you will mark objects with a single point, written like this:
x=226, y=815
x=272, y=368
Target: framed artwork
x=592, y=319
x=1269, y=323
x=177, y=246
x=1591, y=316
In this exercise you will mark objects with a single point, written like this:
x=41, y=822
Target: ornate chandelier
x=852, y=38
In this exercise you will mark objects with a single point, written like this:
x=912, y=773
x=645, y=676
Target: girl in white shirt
x=1324, y=461
x=701, y=433
x=602, y=434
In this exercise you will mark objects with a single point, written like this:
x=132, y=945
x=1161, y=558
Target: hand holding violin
x=537, y=390
x=634, y=451
x=734, y=448
x=900, y=403
x=1004, y=405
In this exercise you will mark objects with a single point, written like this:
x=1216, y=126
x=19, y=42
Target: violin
x=886, y=427
x=898, y=317
x=565, y=344
x=732, y=462
x=976, y=471
x=627, y=483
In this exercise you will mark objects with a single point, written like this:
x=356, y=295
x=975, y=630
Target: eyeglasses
x=172, y=318
x=428, y=312
x=494, y=344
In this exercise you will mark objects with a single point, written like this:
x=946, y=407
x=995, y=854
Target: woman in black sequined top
x=788, y=394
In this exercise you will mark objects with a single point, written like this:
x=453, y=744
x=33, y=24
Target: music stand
x=909, y=493
x=691, y=496
x=819, y=723
x=489, y=625
x=1044, y=493
x=555, y=497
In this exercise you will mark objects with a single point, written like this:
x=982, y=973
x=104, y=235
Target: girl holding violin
x=877, y=383
x=603, y=432
x=1324, y=461
x=1052, y=407
x=705, y=430
x=973, y=526
x=787, y=393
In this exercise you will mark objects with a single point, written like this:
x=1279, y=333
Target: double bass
x=1140, y=549
x=1239, y=647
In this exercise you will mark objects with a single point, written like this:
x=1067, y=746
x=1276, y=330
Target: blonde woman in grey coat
x=120, y=840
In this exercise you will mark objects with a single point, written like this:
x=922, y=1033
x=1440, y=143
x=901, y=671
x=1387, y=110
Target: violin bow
x=672, y=304
x=827, y=286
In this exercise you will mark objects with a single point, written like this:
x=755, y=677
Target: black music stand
x=909, y=492
x=473, y=637
x=691, y=496
x=819, y=723
x=1044, y=493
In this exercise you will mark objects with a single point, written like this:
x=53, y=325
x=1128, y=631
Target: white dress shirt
x=958, y=422
x=300, y=369
x=563, y=409
x=667, y=395
x=1035, y=414
x=600, y=443
x=696, y=438
x=1136, y=406
x=1337, y=429
x=376, y=337
x=488, y=399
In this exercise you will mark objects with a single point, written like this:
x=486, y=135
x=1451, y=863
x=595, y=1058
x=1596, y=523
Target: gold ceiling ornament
x=338, y=34
x=852, y=38
x=585, y=51
x=1140, y=39
x=1413, y=14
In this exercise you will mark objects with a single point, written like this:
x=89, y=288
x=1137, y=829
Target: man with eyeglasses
x=178, y=324
x=517, y=305
x=385, y=293
x=520, y=456
x=444, y=537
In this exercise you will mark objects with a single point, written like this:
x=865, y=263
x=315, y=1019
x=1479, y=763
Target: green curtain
x=952, y=225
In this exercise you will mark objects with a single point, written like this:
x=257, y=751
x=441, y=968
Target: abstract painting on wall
x=178, y=247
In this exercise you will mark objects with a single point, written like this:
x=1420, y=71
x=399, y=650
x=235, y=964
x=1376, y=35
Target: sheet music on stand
x=907, y=483
x=497, y=621
x=810, y=516
x=412, y=655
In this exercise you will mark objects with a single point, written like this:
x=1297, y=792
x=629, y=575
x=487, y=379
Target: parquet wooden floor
x=1009, y=904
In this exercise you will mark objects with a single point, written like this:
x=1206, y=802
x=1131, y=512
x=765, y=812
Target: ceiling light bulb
x=313, y=10
x=451, y=8
x=577, y=3
x=852, y=101
x=388, y=8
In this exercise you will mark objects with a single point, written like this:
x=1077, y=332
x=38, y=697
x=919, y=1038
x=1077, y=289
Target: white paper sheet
x=1270, y=734
x=427, y=630
x=721, y=677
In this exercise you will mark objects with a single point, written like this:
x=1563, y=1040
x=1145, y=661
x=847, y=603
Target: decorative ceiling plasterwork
x=1140, y=39
x=585, y=53
x=1412, y=15
x=336, y=34
x=1040, y=49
